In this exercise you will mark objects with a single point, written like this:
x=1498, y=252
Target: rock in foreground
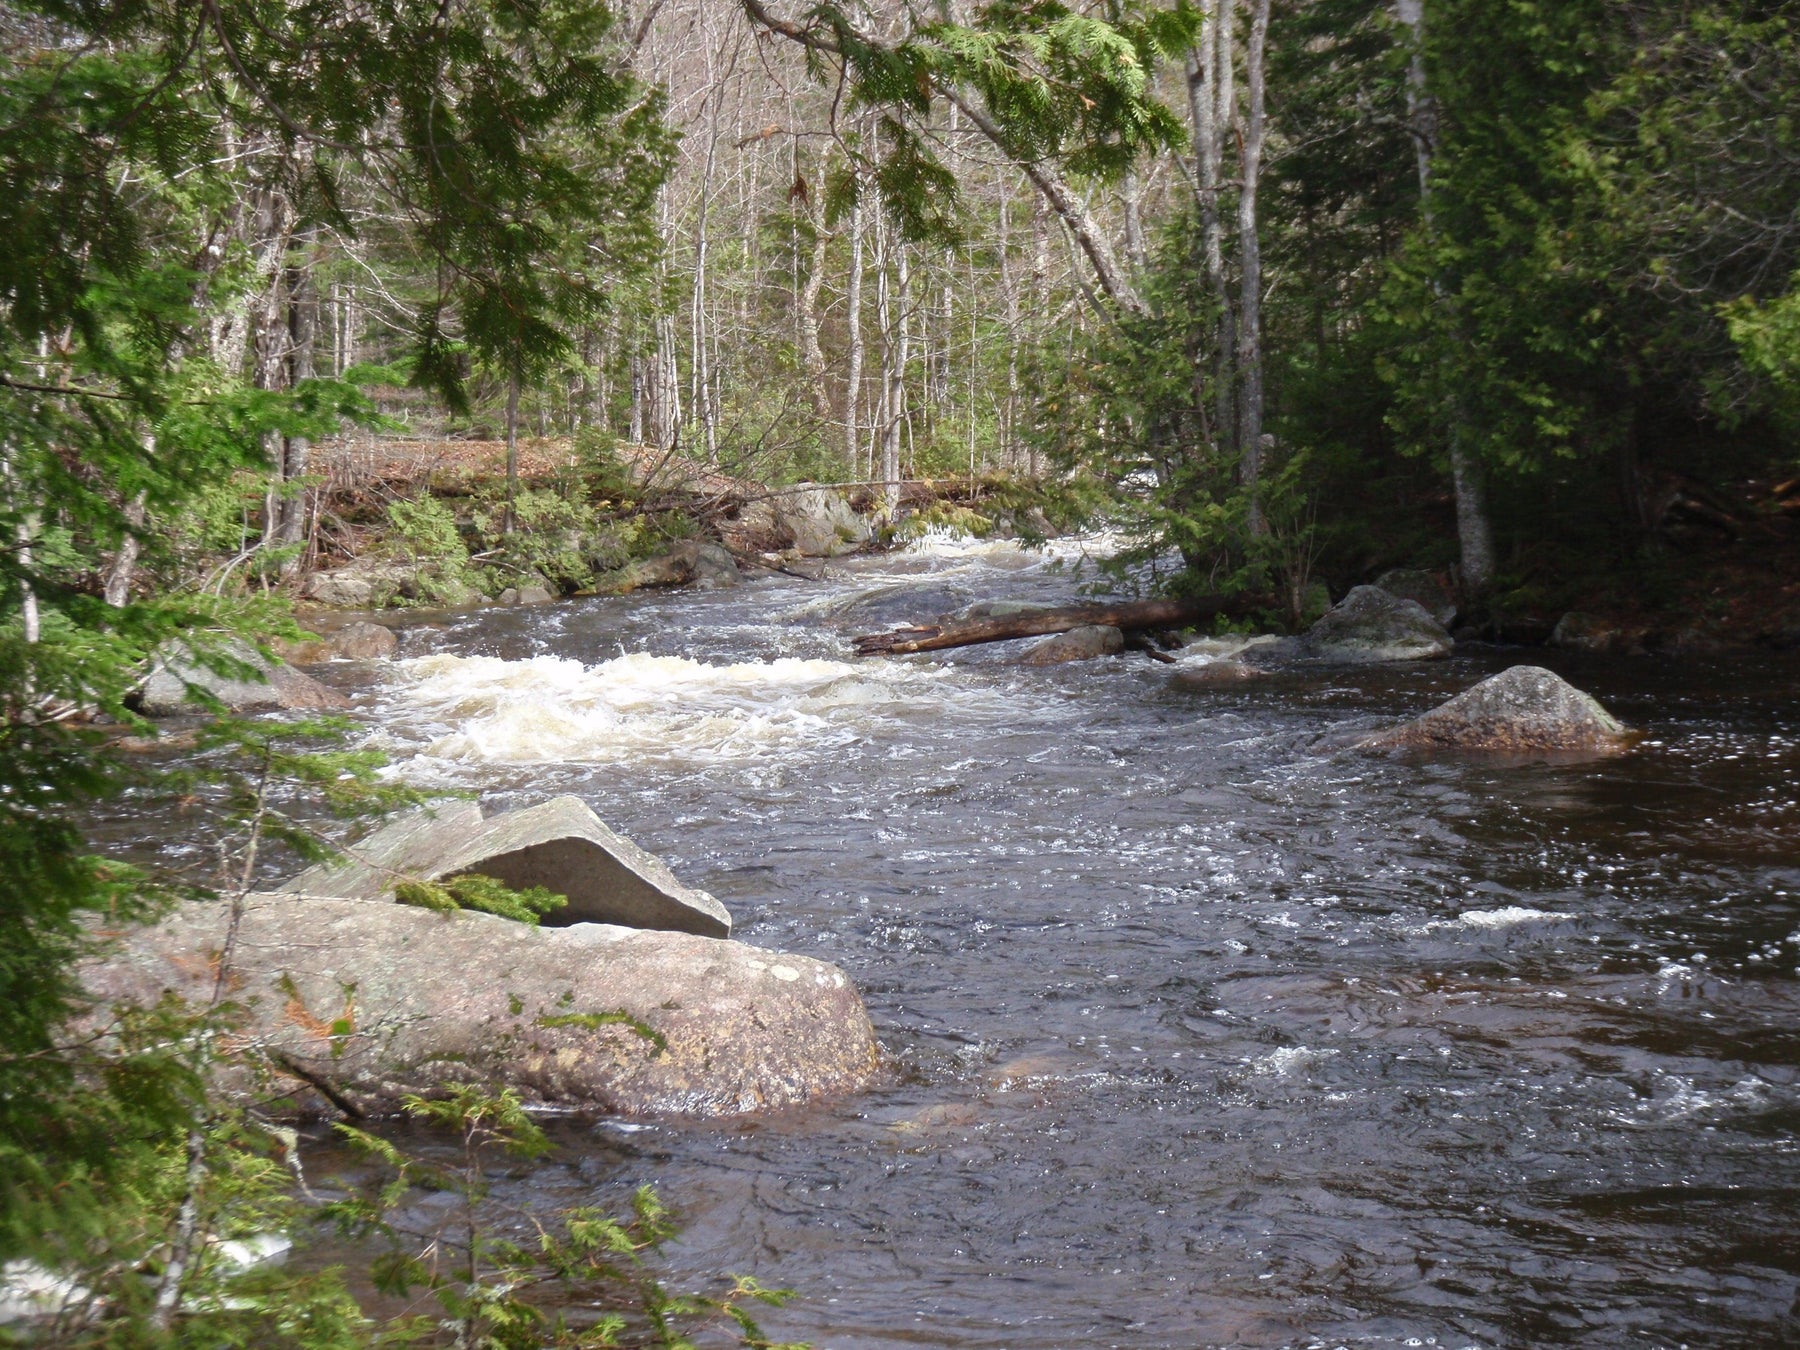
x=1077, y=644
x=1368, y=625
x=560, y=845
x=166, y=691
x=369, y=1002
x=1522, y=710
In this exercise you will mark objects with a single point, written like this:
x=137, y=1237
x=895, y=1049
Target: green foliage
x=424, y=532
x=477, y=892
x=489, y=1286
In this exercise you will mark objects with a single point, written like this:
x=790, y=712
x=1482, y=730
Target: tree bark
x=1249, y=352
x=1474, y=530
x=1130, y=614
x=512, y=447
x=853, y=381
x=303, y=333
x=811, y=353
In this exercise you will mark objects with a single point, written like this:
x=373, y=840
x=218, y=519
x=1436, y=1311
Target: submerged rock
x=820, y=522
x=174, y=674
x=1078, y=644
x=1520, y=710
x=364, y=1003
x=1369, y=625
x=1214, y=675
x=560, y=845
x=1427, y=588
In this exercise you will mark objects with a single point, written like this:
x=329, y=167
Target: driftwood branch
x=1127, y=615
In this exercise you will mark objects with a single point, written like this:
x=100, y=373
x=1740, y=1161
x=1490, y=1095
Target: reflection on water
x=1203, y=1033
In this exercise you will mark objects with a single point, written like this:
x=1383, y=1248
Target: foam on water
x=1506, y=917
x=481, y=709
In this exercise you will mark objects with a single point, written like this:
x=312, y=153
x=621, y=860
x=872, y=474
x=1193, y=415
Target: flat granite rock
x=1521, y=710
x=264, y=685
x=357, y=1004
x=560, y=845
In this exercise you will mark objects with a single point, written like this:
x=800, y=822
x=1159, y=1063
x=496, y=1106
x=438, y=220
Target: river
x=1201, y=1032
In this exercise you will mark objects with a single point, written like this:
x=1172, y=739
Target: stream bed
x=1200, y=1033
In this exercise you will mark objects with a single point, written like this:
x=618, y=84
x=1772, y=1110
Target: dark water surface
x=1201, y=1033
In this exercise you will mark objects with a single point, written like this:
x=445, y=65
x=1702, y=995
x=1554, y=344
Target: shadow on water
x=1200, y=1036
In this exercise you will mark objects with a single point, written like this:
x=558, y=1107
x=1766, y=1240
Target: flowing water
x=1201, y=1032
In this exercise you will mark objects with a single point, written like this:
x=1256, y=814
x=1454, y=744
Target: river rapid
x=1200, y=1031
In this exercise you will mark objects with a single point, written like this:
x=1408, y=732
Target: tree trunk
x=853, y=381
x=895, y=355
x=512, y=447
x=303, y=332
x=1249, y=358
x=1209, y=108
x=1132, y=614
x=1474, y=530
x=811, y=353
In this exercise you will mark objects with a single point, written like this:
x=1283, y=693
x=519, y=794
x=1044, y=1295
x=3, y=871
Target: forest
x=1288, y=293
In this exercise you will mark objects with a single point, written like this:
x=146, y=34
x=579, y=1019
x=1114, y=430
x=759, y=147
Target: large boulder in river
x=354, y=1005
x=1428, y=588
x=358, y=641
x=560, y=845
x=248, y=682
x=820, y=522
x=1077, y=644
x=1521, y=710
x=1370, y=625
x=691, y=561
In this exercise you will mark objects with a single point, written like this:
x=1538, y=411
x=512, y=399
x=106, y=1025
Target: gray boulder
x=1370, y=625
x=363, y=583
x=1428, y=588
x=353, y=1004
x=525, y=595
x=358, y=641
x=689, y=562
x=1203, y=675
x=820, y=522
x=1519, y=711
x=262, y=685
x=1078, y=644
x=560, y=845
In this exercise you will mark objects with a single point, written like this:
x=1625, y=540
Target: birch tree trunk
x=853, y=384
x=1249, y=351
x=303, y=333
x=1209, y=108
x=1474, y=530
x=811, y=353
x=894, y=361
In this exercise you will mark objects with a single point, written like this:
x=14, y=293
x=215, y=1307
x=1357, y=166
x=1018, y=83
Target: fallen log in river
x=1127, y=616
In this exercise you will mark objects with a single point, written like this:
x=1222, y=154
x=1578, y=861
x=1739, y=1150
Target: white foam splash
x=1505, y=917
x=1289, y=1059
x=482, y=709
